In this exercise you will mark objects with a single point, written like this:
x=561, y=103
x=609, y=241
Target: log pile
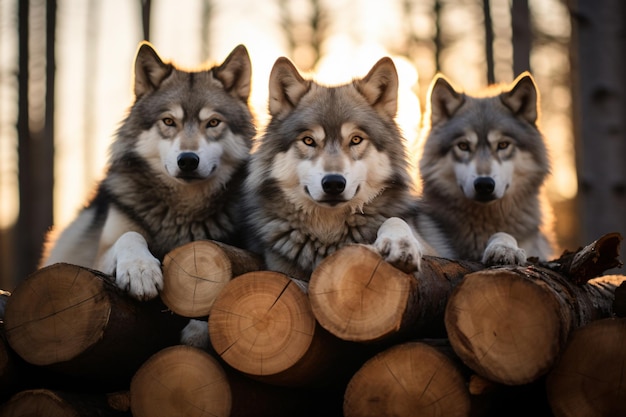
x=362, y=338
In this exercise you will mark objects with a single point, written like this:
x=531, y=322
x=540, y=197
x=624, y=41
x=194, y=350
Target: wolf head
x=190, y=127
x=330, y=149
x=480, y=147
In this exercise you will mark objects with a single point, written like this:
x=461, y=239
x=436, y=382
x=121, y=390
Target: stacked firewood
x=362, y=338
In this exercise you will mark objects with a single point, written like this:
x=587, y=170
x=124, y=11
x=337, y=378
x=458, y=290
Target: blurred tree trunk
x=522, y=36
x=146, y=5
x=35, y=131
x=599, y=92
x=491, y=75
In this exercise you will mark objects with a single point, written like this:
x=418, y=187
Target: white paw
x=196, y=334
x=136, y=270
x=397, y=244
x=142, y=276
x=502, y=249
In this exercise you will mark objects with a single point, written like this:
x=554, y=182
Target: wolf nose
x=333, y=184
x=484, y=186
x=188, y=161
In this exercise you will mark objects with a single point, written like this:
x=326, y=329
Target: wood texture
x=195, y=273
x=588, y=380
x=50, y=403
x=76, y=321
x=509, y=324
x=357, y=296
x=180, y=381
x=409, y=379
x=262, y=325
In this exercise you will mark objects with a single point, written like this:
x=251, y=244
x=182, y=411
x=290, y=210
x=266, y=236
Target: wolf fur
x=174, y=172
x=483, y=165
x=330, y=169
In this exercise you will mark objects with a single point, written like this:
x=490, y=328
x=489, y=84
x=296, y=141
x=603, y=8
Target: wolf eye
x=503, y=145
x=356, y=140
x=168, y=121
x=463, y=146
x=308, y=141
x=213, y=123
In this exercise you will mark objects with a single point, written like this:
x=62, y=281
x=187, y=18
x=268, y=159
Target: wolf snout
x=333, y=184
x=188, y=161
x=484, y=187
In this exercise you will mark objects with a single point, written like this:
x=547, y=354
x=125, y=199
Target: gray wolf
x=330, y=169
x=483, y=165
x=173, y=176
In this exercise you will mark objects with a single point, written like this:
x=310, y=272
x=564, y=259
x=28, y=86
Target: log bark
x=185, y=381
x=510, y=323
x=44, y=402
x=590, y=261
x=195, y=273
x=589, y=377
x=76, y=321
x=408, y=379
x=262, y=325
x=357, y=296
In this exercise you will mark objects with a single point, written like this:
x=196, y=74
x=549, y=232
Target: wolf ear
x=286, y=87
x=380, y=87
x=236, y=72
x=443, y=100
x=150, y=71
x=523, y=98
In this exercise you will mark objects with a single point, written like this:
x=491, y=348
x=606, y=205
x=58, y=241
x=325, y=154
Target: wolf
x=330, y=169
x=484, y=162
x=174, y=173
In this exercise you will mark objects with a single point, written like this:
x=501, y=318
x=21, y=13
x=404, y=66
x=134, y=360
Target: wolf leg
x=136, y=270
x=196, y=334
x=502, y=249
x=397, y=243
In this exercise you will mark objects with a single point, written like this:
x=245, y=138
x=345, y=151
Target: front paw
x=196, y=334
x=141, y=277
x=398, y=246
x=502, y=249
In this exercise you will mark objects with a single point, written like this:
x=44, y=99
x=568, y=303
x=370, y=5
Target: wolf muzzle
x=484, y=187
x=333, y=184
x=188, y=162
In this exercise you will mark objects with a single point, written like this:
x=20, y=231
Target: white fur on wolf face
x=473, y=160
x=301, y=169
x=162, y=145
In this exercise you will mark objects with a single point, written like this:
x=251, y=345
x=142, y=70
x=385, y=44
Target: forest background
x=65, y=85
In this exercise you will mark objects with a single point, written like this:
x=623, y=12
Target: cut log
x=408, y=379
x=185, y=381
x=590, y=261
x=76, y=321
x=588, y=380
x=510, y=323
x=180, y=381
x=43, y=402
x=195, y=273
x=262, y=325
x=357, y=296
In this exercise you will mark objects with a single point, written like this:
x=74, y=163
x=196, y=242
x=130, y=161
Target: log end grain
x=56, y=314
x=407, y=380
x=589, y=378
x=180, y=381
x=193, y=275
x=357, y=296
x=261, y=323
x=504, y=326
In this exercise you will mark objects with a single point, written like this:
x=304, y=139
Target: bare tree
x=35, y=132
x=146, y=6
x=522, y=36
x=599, y=64
x=491, y=76
x=308, y=33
